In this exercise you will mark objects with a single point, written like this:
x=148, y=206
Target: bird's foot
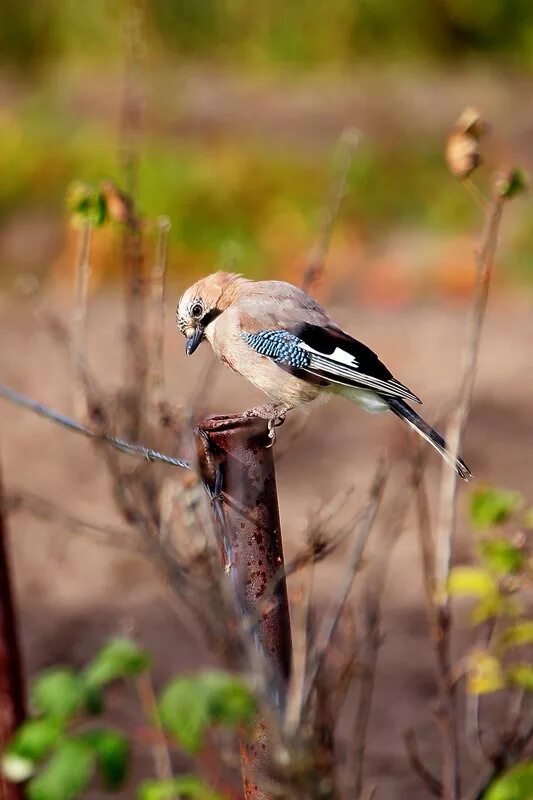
x=275, y=413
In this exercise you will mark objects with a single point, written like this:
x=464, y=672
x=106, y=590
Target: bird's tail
x=405, y=412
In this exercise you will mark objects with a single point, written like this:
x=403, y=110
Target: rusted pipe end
x=238, y=449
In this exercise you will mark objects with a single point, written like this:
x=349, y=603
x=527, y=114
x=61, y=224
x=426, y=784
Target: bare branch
x=439, y=621
x=337, y=189
x=43, y=509
x=371, y=639
x=129, y=448
x=430, y=781
x=157, y=287
x=79, y=339
x=440, y=612
x=150, y=708
x=456, y=428
x=365, y=527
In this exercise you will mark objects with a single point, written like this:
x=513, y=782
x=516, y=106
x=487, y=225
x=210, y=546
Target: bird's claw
x=274, y=422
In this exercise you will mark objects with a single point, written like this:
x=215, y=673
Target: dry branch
x=43, y=509
x=456, y=427
x=354, y=562
x=337, y=189
x=79, y=338
x=439, y=605
x=371, y=636
x=129, y=448
x=157, y=294
x=431, y=782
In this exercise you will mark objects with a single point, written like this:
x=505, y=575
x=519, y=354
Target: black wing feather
x=367, y=373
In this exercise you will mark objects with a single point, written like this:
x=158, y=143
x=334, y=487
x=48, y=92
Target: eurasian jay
x=284, y=343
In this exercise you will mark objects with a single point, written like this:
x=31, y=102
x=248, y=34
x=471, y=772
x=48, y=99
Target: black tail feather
x=405, y=412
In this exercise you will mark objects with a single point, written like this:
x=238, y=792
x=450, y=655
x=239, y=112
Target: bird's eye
x=197, y=310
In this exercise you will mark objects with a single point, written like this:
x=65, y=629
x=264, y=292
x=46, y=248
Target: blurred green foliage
x=302, y=32
x=59, y=749
x=236, y=199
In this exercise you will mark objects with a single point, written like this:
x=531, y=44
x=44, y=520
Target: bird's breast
x=262, y=372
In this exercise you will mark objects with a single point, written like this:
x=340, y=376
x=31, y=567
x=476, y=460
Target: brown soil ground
x=72, y=592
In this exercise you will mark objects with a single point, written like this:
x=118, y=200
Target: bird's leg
x=275, y=413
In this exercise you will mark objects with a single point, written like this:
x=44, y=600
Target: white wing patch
x=343, y=368
x=338, y=355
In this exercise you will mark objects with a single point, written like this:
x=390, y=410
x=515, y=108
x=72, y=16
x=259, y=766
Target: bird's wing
x=329, y=354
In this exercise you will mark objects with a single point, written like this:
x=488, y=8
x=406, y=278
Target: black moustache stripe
x=210, y=316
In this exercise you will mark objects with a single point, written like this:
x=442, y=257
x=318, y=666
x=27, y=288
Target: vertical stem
x=448, y=717
x=11, y=686
x=79, y=350
x=336, y=191
x=157, y=290
x=131, y=118
x=252, y=555
x=456, y=428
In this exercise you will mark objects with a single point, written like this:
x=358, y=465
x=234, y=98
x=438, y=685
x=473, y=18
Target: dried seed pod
x=463, y=154
x=119, y=205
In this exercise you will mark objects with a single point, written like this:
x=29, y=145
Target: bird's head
x=202, y=303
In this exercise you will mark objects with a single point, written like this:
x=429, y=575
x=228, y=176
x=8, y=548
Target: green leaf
x=93, y=700
x=516, y=784
x=501, y=556
x=121, y=658
x=513, y=183
x=86, y=205
x=489, y=507
x=57, y=693
x=112, y=755
x=230, y=701
x=189, y=705
x=487, y=608
x=485, y=673
x=188, y=787
x=66, y=775
x=184, y=712
x=35, y=738
x=473, y=581
x=516, y=635
x=521, y=675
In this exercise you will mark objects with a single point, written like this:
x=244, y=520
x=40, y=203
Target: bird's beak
x=194, y=339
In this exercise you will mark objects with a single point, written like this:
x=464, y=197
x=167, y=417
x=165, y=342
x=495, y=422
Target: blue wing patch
x=281, y=346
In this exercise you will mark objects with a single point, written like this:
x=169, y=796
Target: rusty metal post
x=253, y=551
x=11, y=686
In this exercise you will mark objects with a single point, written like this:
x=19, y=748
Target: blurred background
x=241, y=106
x=225, y=116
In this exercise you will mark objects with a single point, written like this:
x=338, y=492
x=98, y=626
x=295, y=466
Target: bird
x=283, y=342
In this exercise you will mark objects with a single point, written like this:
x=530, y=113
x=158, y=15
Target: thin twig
x=365, y=527
x=157, y=286
x=148, y=703
x=456, y=427
x=438, y=625
x=343, y=161
x=129, y=448
x=371, y=640
x=430, y=781
x=43, y=509
x=136, y=351
x=79, y=339
x=448, y=500
x=473, y=733
x=300, y=645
